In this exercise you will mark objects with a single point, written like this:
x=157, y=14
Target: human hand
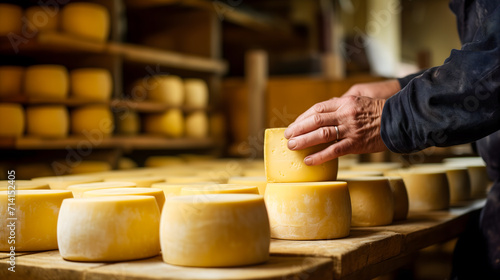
x=357, y=119
x=384, y=89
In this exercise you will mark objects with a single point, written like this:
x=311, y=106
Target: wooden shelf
x=151, y=107
x=70, y=102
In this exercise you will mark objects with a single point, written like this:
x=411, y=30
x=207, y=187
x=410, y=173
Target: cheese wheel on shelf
x=90, y=166
x=126, y=163
x=86, y=20
x=308, y=210
x=112, y=228
x=11, y=80
x=12, y=120
x=174, y=189
x=376, y=166
x=10, y=19
x=47, y=81
x=154, y=192
x=79, y=189
x=63, y=182
x=128, y=123
x=197, y=125
x=141, y=182
x=427, y=190
x=400, y=195
x=458, y=179
x=41, y=18
x=354, y=174
x=372, y=201
x=36, y=212
x=260, y=182
x=92, y=119
x=196, y=93
x=284, y=165
x=219, y=189
x=196, y=232
x=166, y=89
x=479, y=180
x=157, y=161
x=170, y=123
x=94, y=84
x=23, y=185
x=50, y=121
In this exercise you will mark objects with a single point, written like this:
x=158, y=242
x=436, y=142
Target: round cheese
x=174, y=189
x=126, y=163
x=219, y=189
x=79, y=189
x=94, y=84
x=51, y=121
x=105, y=229
x=92, y=119
x=400, y=195
x=36, y=213
x=86, y=20
x=197, y=125
x=63, y=182
x=427, y=190
x=47, y=81
x=10, y=19
x=170, y=123
x=23, y=185
x=196, y=93
x=141, y=182
x=458, y=179
x=156, y=193
x=355, y=174
x=90, y=166
x=376, y=166
x=260, y=182
x=372, y=201
x=41, y=18
x=128, y=123
x=166, y=89
x=307, y=211
x=479, y=180
x=11, y=120
x=157, y=161
x=11, y=80
x=284, y=165
x=216, y=231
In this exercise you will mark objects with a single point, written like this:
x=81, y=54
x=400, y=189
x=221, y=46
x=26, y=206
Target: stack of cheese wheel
x=63, y=182
x=36, y=214
x=156, y=193
x=47, y=81
x=86, y=20
x=11, y=80
x=427, y=189
x=218, y=189
x=12, y=120
x=166, y=89
x=140, y=181
x=260, y=182
x=10, y=19
x=23, y=185
x=95, y=120
x=42, y=18
x=93, y=84
x=50, y=121
x=169, y=123
x=299, y=207
x=79, y=189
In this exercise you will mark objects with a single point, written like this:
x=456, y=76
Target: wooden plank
x=381, y=268
x=151, y=106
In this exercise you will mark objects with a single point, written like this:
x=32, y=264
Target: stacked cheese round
x=10, y=19
x=63, y=182
x=36, y=213
x=79, y=189
x=128, y=123
x=6, y=185
x=112, y=228
x=11, y=80
x=260, y=182
x=284, y=165
x=12, y=120
x=166, y=89
x=218, y=231
x=308, y=210
x=400, y=195
x=92, y=120
x=42, y=18
x=93, y=84
x=47, y=81
x=197, y=125
x=196, y=93
x=140, y=181
x=86, y=20
x=51, y=121
x=219, y=189
x=170, y=123
x=156, y=193
x=427, y=190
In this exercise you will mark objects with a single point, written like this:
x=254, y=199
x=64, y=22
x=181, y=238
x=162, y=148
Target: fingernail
x=308, y=161
x=292, y=144
x=287, y=134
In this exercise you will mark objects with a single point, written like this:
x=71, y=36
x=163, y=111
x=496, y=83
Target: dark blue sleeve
x=405, y=80
x=455, y=103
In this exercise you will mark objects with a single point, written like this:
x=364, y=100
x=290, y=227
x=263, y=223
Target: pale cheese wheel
x=36, y=213
x=79, y=189
x=260, y=182
x=376, y=166
x=170, y=123
x=216, y=231
x=11, y=80
x=157, y=161
x=174, y=189
x=427, y=190
x=166, y=89
x=284, y=165
x=219, y=189
x=50, y=121
x=10, y=19
x=94, y=84
x=154, y=192
x=196, y=93
x=92, y=119
x=400, y=195
x=47, y=81
x=86, y=20
x=42, y=18
x=308, y=210
x=6, y=185
x=90, y=166
x=63, y=182
x=141, y=182
x=112, y=228
x=128, y=123
x=458, y=180
x=372, y=201
x=12, y=120
x=197, y=125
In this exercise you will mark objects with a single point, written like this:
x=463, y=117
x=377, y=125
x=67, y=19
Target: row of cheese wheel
x=87, y=21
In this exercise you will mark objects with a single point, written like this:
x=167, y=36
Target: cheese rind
x=308, y=211
x=197, y=125
x=94, y=84
x=41, y=18
x=47, y=121
x=196, y=93
x=259, y=181
x=12, y=120
x=11, y=80
x=166, y=89
x=400, y=195
x=23, y=185
x=86, y=20
x=170, y=123
x=47, y=81
x=156, y=193
x=79, y=189
x=92, y=119
x=128, y=123
x=218, y=189
x=427, y=190
x=10, y=19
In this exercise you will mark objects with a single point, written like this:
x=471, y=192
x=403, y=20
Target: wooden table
x=366, y=253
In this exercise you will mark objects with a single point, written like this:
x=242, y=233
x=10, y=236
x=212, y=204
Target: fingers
x=322, y=135
x=333, y=151
x=330, y=105
x=311, y=123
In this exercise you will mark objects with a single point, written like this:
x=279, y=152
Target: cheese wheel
x=216, y=231
x=174, y=189
x=126, y=163
x=90, y=166
x=347, y=161
x=128, y=123
x=86, y=20
x=10, y=19
x=41, y=18
x=23, y=185
x=427, y=190
x=47, y=81
x=157, y=161
x=196, y=93
x=79, y=189
x=354, y=174
x=51, y=121
x=156, y=193
x=479, y=180
x=376, y=166
x=63, y=182
x=141, y=182
x=458, y=180
x=11, y=120
x=112, y=228
x=372, y=201
x=92, y=119
x=166, y=89
x=219, y=189
x=400, y=195
x=197, y=125
x=94, y=84
x=11, y=80
x=309, y=210
x=170, y=123
x=36, y=212
x=260, y=182
x=284, y=165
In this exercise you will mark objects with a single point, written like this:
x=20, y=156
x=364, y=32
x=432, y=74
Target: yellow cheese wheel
x=197, y=125
x=157, y=161
x=23, y=185
x=141, y=182
x=400, y=195
x=372, y=201
x=174, y=189
x=86, y=20
x=10, y=19
x=354, y=174
x=36, y=226
x=51, y=121
x=427, y=190
x=112, y=228
x=63, y=182
x=154, y=192
x=126, y=163
x=170, y=123
x=219, y=189
x=92, y=119
x=166, y=89
x=90, y=166
x=128, y=123
x=47, y=81
x=347, y=161
x=308, y=210
x=284, y=165
x=458, y=180
x=376, y=166
x=79, y=189
x=93, y=84
x=260, y=182
x=479, y=180
x=41, y=18
x=216, y=231
x=11, y=120
x=11, y=80
x=196, y=93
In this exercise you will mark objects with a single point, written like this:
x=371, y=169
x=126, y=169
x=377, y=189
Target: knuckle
x=326, y=134
x=318, y=120
x=319, y=107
